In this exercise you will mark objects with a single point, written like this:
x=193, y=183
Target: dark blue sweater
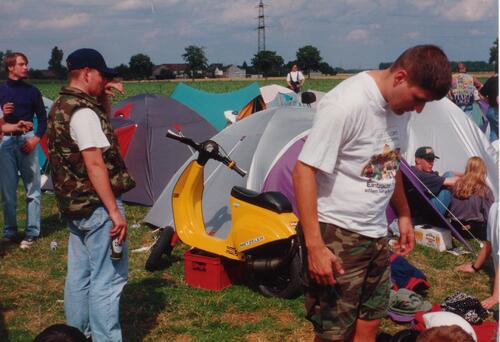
x=27, y=101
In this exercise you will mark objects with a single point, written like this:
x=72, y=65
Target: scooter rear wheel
x=162, y=246
x=285, y=282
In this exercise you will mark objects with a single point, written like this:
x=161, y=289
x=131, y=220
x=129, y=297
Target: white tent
x=269, y=92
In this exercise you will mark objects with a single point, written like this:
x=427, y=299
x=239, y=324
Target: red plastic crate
x=210, y=272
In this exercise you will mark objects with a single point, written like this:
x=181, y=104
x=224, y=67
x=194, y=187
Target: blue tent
x=211, y=106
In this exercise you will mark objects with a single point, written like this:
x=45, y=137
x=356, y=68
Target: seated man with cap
x=437, y=187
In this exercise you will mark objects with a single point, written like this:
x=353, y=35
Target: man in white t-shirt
x=295, y=79
x=89, y=176
x=346, y=174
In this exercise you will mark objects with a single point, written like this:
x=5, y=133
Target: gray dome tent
x=152, y=159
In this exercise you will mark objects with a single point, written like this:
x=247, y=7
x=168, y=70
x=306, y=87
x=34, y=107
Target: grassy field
x=160, y=306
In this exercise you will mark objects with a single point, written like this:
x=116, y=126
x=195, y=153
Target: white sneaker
x=27, y=243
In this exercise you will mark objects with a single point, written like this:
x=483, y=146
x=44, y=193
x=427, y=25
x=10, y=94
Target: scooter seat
x=272, y=200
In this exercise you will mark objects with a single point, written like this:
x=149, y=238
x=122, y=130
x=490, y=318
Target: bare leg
x=366, y=331
x=478, y=263
x=491, y=301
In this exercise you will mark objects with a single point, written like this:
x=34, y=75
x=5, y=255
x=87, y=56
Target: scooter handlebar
x=232, y=165
x=172, y=135
x=213, y=155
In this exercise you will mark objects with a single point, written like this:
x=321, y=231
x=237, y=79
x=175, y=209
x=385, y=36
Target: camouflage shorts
x=361, y=292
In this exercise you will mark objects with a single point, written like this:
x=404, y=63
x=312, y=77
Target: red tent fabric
x=124, y=135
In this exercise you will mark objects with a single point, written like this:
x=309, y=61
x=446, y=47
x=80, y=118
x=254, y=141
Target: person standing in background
x=19, y=102
x=295, y=79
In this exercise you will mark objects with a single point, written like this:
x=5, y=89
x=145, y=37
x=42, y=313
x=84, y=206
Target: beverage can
x=116, y=249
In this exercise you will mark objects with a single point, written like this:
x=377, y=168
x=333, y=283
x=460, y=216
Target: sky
x=349, y=33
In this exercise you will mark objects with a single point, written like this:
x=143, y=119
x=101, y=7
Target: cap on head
x=88, y=58
x=425, y=152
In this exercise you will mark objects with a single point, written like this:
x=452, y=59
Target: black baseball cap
x=425, y=152
x=89, y=58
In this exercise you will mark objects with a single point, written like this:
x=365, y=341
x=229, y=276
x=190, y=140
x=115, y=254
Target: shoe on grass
x=27, y=242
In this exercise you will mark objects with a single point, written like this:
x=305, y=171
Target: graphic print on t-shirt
x=382, y=167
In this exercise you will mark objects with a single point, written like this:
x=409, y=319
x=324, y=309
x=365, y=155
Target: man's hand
x=406, y=237
x=8, y=108
x=119, y=226
x=30, y=144
x=112, y=87
x=24, y=126
x=322, y=262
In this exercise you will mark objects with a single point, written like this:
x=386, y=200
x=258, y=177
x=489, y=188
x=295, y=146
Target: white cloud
x=459, y=10
x=358, y=35
x=234, y=12
x=470, y=10
x=66, y=22
x=131, y=5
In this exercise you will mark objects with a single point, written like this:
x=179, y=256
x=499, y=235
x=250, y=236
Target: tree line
x=266, y=63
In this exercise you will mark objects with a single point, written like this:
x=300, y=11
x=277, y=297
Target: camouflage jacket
x=76, y=197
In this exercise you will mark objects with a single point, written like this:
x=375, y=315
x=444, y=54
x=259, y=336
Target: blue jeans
x=492, y=116
x=444, y=196
x=94, y=282
x=12, y=161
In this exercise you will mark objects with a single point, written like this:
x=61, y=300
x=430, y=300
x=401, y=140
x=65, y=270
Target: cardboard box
x=210, y=272
x=434, y=237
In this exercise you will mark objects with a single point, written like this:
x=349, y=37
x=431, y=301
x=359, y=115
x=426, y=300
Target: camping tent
x=211, y=106
x=240, y=140
x=152, y=159
x=269, y=92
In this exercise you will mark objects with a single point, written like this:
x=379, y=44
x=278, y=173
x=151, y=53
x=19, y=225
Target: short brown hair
x=445, y=333
x=427, y=67
x=10, y=59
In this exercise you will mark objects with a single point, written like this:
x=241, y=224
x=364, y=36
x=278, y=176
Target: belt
x=15, y=134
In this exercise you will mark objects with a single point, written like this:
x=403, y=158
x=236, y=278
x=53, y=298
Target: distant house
x=232, y=71
x=215, y=70
x=315, y=73
x=178, y=70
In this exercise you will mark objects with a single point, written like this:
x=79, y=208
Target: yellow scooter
x=262, y=235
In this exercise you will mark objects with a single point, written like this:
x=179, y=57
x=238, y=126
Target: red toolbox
x=211, y=272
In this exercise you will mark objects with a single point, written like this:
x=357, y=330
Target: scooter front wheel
x=286, y=282
x=163, y=245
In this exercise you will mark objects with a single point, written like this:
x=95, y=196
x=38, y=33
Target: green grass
x=51, y=89
x=160, y=306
